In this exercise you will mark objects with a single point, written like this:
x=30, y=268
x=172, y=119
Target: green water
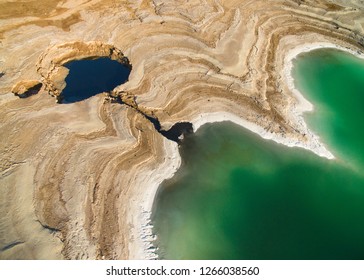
x=334, y=81
x=238, y=196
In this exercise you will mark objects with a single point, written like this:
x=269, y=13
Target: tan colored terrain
x=77, y=180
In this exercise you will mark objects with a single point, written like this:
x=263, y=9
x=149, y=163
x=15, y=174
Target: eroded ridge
x=78, y=181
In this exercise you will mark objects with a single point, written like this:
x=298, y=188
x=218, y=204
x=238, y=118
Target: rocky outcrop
x=26, y=88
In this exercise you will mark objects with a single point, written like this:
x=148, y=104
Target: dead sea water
x=334, y=82
x=238, y=196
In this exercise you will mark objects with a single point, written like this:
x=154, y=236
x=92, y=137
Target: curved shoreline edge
x=303, y=105
x=142, y=247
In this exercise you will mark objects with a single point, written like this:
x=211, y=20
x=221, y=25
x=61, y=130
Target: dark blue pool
x=87, y=78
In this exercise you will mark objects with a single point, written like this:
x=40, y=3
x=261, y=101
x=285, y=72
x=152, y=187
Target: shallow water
x=338, y=95
x=238, y=196
x=87, y=78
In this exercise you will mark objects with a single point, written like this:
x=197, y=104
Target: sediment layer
x=78, y=180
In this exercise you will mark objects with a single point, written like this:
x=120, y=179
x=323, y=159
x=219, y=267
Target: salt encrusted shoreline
x=303, y=105
x=144, y=247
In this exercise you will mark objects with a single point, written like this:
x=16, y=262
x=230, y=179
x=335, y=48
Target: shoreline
x=145, y=248
x=142, y=245
x=303, y=105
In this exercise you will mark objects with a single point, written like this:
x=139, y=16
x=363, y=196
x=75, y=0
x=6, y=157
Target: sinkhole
x=90, y=77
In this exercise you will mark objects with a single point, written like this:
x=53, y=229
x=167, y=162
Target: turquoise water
x=89, y=77
x=238, y=196
x=334, y=81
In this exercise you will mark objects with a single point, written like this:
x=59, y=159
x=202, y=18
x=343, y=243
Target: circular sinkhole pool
x=90, y=77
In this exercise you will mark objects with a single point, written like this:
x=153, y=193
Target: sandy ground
x=78, y=181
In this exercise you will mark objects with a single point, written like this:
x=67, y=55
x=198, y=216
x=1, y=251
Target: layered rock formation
x=77, y=180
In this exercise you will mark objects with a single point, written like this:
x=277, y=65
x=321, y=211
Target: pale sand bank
x=303, y=104
x=141, y=246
